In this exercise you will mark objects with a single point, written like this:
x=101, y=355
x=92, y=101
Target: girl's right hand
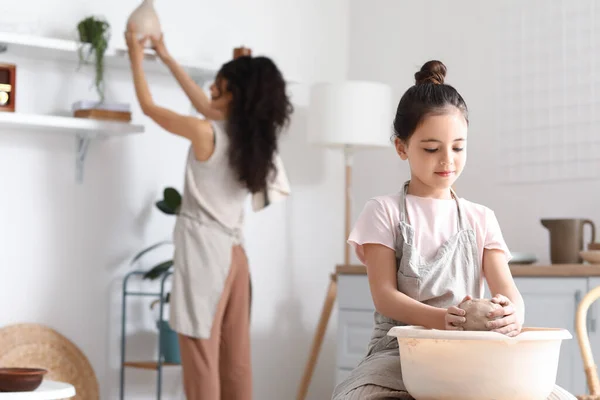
x=160, y=48
x=455, y=316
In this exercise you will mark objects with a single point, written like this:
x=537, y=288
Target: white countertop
x=48, y=390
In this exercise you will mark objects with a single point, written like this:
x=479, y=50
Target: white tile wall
x=549, y=107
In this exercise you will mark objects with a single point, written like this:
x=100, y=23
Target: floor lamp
x=349, y=116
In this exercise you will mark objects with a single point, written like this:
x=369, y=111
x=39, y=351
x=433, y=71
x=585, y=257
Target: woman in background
x=232, y=153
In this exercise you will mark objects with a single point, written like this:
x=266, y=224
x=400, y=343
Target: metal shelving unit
x=148, y=365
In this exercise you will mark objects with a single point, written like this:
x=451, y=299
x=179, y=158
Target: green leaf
x=172, y=198
x=148, y=249
x=164, y=207
x=95, y=32
x=158, y=270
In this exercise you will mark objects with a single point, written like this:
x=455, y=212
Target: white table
x=48, y=390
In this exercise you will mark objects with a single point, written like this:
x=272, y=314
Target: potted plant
x=94, y=35
x=170, y=205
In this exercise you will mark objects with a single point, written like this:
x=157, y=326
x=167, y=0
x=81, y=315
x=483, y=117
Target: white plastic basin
x=451, y=365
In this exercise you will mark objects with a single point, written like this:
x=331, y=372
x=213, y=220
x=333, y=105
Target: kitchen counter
x=517, y=270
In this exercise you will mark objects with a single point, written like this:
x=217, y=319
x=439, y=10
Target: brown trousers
x=219, y=368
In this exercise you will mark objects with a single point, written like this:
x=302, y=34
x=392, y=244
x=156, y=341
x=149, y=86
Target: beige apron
x=202, y=257
x=202, y=260
x=209, y=224
x=453, y=273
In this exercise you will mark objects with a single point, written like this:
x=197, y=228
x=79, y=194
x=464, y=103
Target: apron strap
x=403, y=202
x=462, y=225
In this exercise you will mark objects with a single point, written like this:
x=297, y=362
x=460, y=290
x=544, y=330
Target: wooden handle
x=348, y=210
x=584, y=340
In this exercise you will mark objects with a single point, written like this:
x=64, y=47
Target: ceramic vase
x=146, y=22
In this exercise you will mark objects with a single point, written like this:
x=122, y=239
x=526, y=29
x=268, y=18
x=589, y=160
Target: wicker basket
x=38, y=346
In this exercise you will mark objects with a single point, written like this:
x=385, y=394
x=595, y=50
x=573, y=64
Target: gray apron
x=444, y=281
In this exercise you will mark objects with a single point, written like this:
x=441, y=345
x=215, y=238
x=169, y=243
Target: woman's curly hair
x=259, y=110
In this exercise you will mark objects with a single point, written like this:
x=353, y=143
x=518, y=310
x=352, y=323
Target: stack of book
x=105, y=111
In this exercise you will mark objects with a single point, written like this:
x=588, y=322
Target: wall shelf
x=40, y=47
x=85, y=130
x=46, y=48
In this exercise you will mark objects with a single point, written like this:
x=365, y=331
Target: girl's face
x=436, y=152
x=219, y=95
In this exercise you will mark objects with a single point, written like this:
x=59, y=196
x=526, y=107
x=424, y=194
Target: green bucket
x=169, y=343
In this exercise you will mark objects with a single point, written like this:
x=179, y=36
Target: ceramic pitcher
x=566, y=239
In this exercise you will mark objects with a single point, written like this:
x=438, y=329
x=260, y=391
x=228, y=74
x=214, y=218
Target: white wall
x=390, y=40
x=64, y=248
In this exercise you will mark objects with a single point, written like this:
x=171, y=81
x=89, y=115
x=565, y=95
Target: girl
x=232, y=153
x=425, y=249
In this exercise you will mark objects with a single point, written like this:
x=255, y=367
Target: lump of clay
x=476, y=314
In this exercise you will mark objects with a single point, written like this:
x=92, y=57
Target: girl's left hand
x=134, y=45
x=508, y=323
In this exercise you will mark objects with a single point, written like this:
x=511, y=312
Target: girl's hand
x=508, y=323
x=455, y=317
x=134, y=45
x=159, y=46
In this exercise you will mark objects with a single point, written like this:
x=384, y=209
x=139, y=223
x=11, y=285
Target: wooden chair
x=591, y=371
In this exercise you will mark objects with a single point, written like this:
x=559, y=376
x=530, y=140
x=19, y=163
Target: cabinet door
x=354, y=324
x=353, y=336
x=552, y=303
x=354, y=293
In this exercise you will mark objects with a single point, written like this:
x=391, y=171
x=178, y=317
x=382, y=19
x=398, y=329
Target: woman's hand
x=507, y=323
x=159, y=46
x=134, y=45
x=455, y=317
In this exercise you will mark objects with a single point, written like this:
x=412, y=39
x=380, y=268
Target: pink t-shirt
x=434, y=222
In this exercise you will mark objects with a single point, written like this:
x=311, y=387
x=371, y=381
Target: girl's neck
x=419, y=189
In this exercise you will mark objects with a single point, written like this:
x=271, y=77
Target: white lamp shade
x=351, y=113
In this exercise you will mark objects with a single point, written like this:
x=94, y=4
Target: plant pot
x=169, y=343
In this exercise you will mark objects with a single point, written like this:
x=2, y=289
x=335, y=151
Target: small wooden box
x=107, y=115
x=8, y=88
x=241, y=51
